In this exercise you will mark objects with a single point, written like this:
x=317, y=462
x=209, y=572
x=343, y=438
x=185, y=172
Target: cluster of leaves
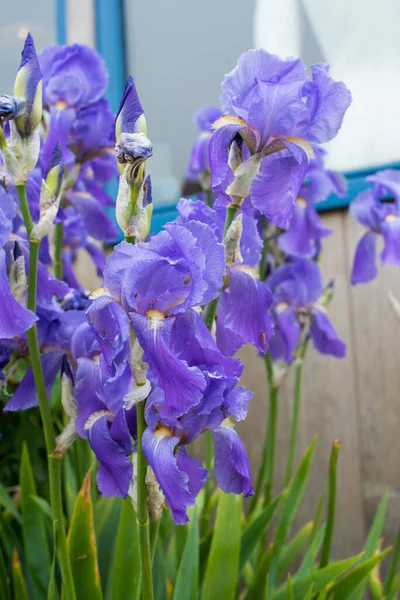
x=247, y=558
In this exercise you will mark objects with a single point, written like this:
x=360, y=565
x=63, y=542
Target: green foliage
x=82, y=546
x=187, y=580
x=19, y=585
x=125, y=572
x=36, y=549
x=223, y=561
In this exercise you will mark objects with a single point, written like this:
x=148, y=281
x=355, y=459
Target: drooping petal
x=158, y=448
x=14, y=318
x=198, y=160
x=324, y=337
x=251, y=322
x=182, y=385
x=25, y=396
x=364, y=266
x=391, y=235
x=193, y=468
x=115, y=468
x=98, y=223
x=277, y=184
x=87, y=393
x=192, y=342
x=231, y=464
x=205, y=116
x=287, y=334
x=327, y=102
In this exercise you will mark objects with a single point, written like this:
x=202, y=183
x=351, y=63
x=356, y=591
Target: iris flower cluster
x=149, y=335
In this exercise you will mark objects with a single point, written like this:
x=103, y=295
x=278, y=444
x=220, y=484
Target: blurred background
x=178, y=53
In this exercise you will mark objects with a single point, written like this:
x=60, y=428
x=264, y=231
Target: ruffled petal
x=364, y=265
x=87, y=393
x=158, y=449
x=231, y=464
x=98, y=223
x=324, y=337
x=218, y=152
x=327, y=102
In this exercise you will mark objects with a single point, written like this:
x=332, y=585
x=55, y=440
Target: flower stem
x=295, y=415
x=58, y=239
x=142, y=510
x=211, y=310
x=208, y=194
x=271, y=431
x=142, y=519
x=54, y=464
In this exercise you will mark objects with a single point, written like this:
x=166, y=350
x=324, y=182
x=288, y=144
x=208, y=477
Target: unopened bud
x=232, y=241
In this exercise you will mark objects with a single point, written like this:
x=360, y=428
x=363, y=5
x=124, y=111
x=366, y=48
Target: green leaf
x=205, y=547
x=318, y=579
x=187, y=580
x=19, y=585
x=307, y=563
x=159, y=575
x=259, y=581
x=394, y=561
x=344, y=588
x=254, y=532
x=291, y=500
x=289, y=588
x=82, y=547
x=8, y=504
x=310, y=593
x=126, y=569
x=43, y=505
x=376, y=586
x=52, y=592
x=223, y=562
x=292, y=548
x=5, y=583
x=372, y=542
x=36, y=550
x=330, y=522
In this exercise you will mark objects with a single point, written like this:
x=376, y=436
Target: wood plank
x=377, y=351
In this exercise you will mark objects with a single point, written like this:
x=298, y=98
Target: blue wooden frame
x=109, y=24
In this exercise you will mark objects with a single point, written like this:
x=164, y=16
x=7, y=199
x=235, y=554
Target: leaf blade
x=126, y=565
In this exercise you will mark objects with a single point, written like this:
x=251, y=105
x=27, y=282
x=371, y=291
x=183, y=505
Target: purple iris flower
x=297, y=290
x=306, y=229
x=199, y=164
x=272, y=112
x=377, y=209
x=155, y=281
x=237, y=324
x=164, y=442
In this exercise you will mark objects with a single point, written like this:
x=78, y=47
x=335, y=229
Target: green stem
x=208, y=193
x=58, y=239
x=330, y=522
x=54, y=464
x=211, y=310
x=208, y=485
x=263, y=261
x=295, y=415
x=145, y=551
x=142, y=511
x=271, y=432
x=261, y=473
